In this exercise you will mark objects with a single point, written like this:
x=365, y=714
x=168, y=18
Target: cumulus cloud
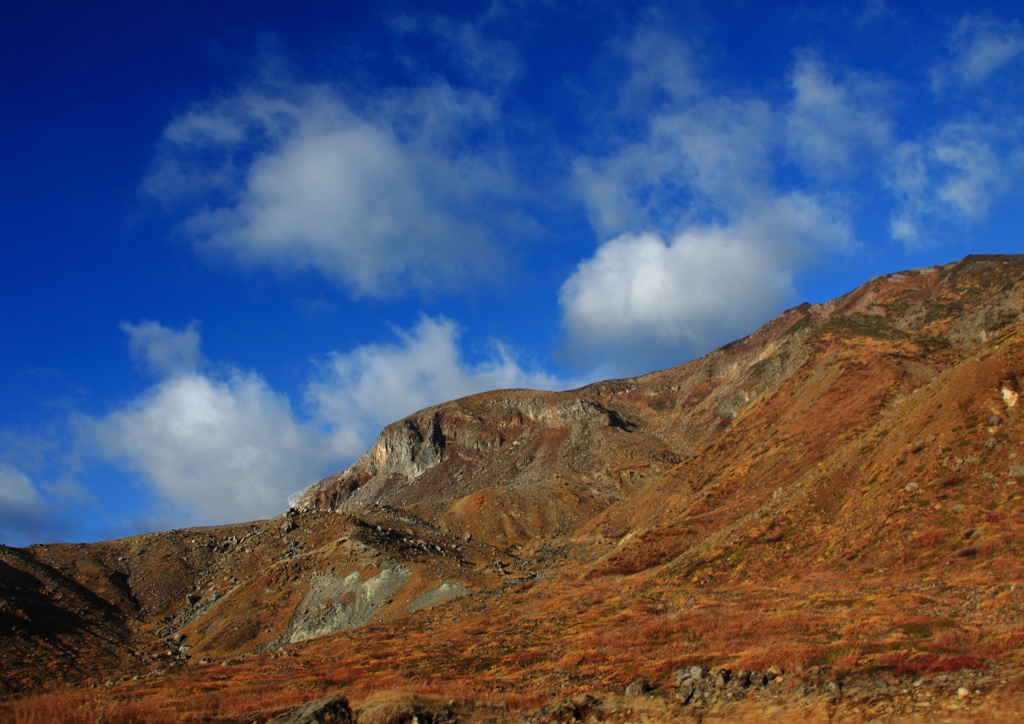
x=640, y=298
x=217, y=450
x=981, y=45
x=212, y=449
x=292, y=177
x=362, y=390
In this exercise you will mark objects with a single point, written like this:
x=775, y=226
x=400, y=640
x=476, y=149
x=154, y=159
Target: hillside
x=836, y=496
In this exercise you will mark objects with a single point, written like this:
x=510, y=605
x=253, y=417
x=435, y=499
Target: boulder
x=400, y=709
x=638, y=687
x=758, y=678
x=326, y=710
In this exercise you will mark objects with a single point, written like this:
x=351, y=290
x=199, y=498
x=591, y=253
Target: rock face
x=837, y=441
x=500, y=467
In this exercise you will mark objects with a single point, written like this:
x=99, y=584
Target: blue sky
x=240, y=238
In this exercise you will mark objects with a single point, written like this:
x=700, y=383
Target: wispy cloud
x=693, y=155
x=829, y=123
x=874, y=11
x=689, y=173
x=953, y=174
x=980, y=45
x=487, y=60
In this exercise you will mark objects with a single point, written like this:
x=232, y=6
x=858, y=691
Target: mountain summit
x=831, y=504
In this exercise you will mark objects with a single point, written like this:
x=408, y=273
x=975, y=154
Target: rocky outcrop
x=515, y=448
x=463, y=429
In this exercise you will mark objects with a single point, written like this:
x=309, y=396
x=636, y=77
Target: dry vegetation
x=846, y=507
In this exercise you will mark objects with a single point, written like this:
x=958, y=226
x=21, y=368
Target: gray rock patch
x=336, y=604
x=445, y=590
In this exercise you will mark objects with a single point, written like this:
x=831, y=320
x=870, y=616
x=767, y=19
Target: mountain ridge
x=817, y=457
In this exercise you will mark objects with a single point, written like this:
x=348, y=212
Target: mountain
x=836, y=496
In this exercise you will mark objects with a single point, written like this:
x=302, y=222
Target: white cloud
x=290, y=176
x=211, y=449
x=829, y=122
x=217, y=450
x=981, y=45
x=642, y=299
x=373, y=385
